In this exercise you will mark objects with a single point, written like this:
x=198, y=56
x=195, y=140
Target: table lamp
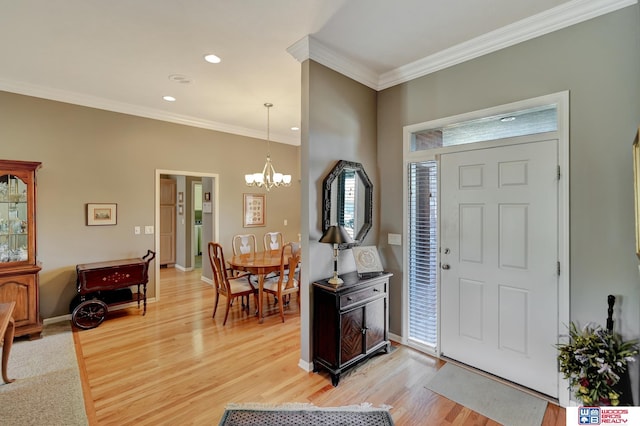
x=336, y=234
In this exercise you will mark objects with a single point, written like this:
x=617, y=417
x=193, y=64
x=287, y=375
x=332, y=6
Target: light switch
x=394, y=239
x=286, y=222
x=148, y=229
x=136, y=230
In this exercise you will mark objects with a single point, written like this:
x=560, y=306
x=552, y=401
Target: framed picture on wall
x=102, y=214
x=254, y=210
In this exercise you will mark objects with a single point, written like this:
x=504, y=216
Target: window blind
x=422, y=252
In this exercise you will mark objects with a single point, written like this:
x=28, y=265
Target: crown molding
x=300, y=50
x=565, y=15
x=560, y=17
x=125, y=108
x=310, y=48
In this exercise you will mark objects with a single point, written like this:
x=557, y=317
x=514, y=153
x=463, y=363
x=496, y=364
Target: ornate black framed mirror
x=347, y=198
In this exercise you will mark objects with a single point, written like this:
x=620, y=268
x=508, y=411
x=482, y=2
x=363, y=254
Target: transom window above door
x=525, y=122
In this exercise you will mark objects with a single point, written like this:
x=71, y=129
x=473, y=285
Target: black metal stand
x=624, y=385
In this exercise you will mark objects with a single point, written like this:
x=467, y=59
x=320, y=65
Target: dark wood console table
x=350, y=322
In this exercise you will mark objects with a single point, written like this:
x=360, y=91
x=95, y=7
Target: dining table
x=259, y=264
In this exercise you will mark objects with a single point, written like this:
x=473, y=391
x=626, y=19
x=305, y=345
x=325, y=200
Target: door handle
x=446, y=266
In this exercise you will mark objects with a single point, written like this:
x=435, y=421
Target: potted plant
x=595, y=363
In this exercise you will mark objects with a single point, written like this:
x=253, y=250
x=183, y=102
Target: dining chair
x=244, y=244
x=273, y=241
x=230, y=287
x=288, y=282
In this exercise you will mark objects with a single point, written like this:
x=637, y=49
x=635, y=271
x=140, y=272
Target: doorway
x=499, y=221
x=425, y=151
x=209, y=216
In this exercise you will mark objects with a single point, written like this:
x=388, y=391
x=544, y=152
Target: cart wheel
x=89, y=314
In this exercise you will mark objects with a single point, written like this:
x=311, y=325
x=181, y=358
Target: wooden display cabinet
x=350, y=322
x=19, y=269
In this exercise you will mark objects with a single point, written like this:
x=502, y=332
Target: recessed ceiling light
x=169, y=98
x=212, y=59
x=506, y=119
x=295, y=128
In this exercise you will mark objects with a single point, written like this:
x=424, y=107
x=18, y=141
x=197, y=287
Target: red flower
x=584, y=382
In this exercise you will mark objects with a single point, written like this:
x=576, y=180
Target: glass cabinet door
x=14, y=241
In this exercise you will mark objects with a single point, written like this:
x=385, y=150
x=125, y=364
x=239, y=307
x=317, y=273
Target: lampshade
x=336, y=234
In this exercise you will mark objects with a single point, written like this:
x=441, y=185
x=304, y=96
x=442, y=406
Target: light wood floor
x=178, y=366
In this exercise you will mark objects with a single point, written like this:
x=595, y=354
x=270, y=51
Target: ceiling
x=125, y=55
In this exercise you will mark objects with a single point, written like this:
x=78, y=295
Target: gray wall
x=90, y=155
x=340, y=118
x=598, y=61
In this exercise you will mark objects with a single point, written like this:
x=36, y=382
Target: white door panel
x=499, y=300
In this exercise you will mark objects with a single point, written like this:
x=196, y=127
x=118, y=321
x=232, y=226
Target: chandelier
x=268, y=178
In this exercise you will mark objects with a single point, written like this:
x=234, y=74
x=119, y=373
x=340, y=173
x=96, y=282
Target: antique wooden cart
x=104, y=284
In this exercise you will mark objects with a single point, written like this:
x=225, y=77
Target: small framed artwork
x=181, y=197
x=254, y=209
x=180, y=209
x=207, y=196
x=102, y=214
x=367, y=260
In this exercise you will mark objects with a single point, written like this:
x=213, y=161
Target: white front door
x=499, y=254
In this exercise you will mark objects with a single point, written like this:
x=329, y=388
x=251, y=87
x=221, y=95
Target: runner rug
x=47, y=388
x=497, y=401
x=304, y=415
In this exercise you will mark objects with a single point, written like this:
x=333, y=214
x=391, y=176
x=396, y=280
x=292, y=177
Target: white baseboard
x=306, y=366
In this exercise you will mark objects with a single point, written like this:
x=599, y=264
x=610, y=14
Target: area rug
x=295, y=414
x=47, y=388
x=497, y=401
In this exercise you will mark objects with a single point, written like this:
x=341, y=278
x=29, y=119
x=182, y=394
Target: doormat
x=295, y=414
x=497, y=401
